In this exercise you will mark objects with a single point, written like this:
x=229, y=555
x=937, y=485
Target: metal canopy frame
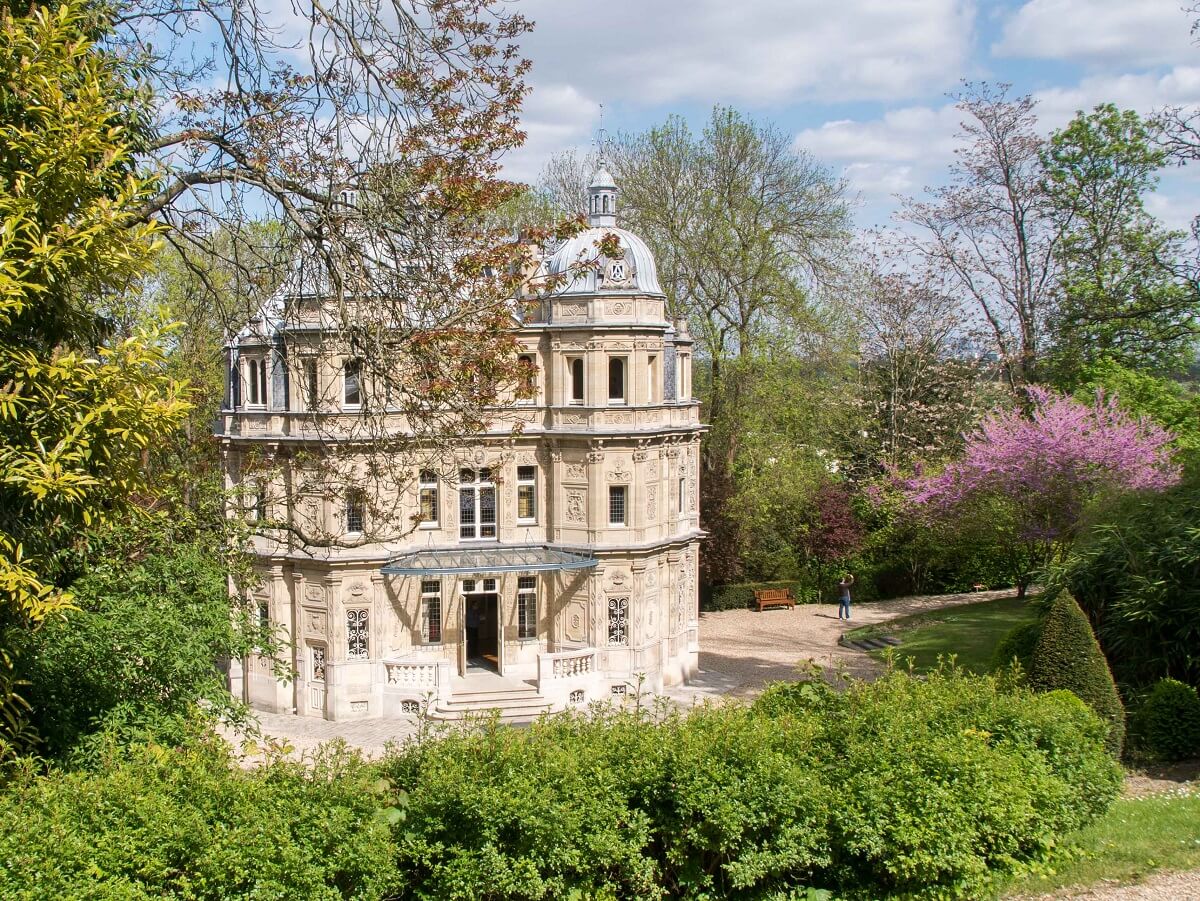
x=487, y=559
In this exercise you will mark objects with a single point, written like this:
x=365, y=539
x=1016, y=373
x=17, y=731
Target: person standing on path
x=844, y=596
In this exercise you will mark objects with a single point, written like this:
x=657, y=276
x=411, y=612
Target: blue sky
x=862, y=84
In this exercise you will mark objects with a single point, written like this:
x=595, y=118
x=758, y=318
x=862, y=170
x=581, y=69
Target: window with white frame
x=256, y=382
x=356, y=511
x=431, y=611
x=576, y=366
x=617, y=506
x=526, y=494
x=616, y=380
x=527, y=607
x=312, y=388
x=428, y=497
x=357, y=635
x=352, y=383
x=526, y=379
x=476, y=504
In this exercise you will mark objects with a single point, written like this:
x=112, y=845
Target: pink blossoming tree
x=1026, y=480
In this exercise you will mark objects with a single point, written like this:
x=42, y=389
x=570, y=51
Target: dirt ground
x=743, y=650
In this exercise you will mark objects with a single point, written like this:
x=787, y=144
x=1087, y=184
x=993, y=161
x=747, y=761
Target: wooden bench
x=773, y=597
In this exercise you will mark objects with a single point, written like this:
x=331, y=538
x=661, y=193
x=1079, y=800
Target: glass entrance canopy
x=525, y=558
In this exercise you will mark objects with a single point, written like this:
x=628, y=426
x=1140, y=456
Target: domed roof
x=603, y=178
x=639, y=274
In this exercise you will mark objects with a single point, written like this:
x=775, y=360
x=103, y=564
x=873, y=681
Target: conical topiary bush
x=1068, y=656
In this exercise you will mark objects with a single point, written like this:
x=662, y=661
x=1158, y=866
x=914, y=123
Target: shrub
x=942, y=780
x=740, y=595
x=1017, y=645
x=1168, y=722
x=188, y=823
x=1136, y=573
x=1067, y=656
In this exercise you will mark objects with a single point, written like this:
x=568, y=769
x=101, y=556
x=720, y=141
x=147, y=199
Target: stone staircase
x=482, y=691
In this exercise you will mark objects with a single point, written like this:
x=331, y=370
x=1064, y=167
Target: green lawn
x=1135, y=838
x=969, y=631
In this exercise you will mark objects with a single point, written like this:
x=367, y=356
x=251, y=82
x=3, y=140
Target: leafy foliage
x=141, y=651
x=1067, y=656
x=188, y=823
x=1033, y=476
x=1119, y=294
x=75, y=416
x=1018, y=645
x=1167, y=724
x=1136, y=572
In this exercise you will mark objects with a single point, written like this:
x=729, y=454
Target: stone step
x=493, y=698
x=522, y=709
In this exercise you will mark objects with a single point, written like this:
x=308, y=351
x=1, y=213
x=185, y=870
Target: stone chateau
x=556, y=568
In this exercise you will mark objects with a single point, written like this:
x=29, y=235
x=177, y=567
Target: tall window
x=431, y=611
x=616, y=380
x=576, y=380
x=356, y=511
x=352, y=383
x=476, y=504
x=651, y=379
x=312, y=392
x=526, y=379
x=259, y=501
x=618, y=620
x=526, y=494
x=617, y=495
x=357, y=634
x=682, y=489
x=681, y=383
x=316, y=662
x=256, y=379
x=527, y=607
x=428, y=488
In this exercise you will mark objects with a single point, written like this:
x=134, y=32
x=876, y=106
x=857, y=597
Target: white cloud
x=906, y=149
x=1100, y=32
x=758, y=52
x=554, y=117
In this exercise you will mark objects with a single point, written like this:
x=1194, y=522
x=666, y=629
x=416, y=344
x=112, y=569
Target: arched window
x=577, y=380
x=606, y=203
x=526, y=379
x=616, y=380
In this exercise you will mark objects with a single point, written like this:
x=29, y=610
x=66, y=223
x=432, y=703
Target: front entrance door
x=483, y=629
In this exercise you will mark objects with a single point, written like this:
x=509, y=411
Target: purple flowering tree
x=1025, y=479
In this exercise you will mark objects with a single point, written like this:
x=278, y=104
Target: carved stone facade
x=605, y=466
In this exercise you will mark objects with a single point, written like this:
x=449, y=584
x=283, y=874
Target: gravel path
x=742, y=650
x=1159, y=887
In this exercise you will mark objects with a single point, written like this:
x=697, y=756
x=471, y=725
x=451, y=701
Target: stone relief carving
x=620, y=308
x=572, y=311
x=314, y=622
x=576, y=506
x=576, y=472
x=595, y=456
x=620, y=471
x=651, y=503
x=314, y=593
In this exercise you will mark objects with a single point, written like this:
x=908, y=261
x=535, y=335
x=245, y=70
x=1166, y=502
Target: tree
x=1136, y=573
x=1067, y=656
x=1120, y=295
x=77, y=413
x=922, y=382
x=1029, y=478
x=989, y=237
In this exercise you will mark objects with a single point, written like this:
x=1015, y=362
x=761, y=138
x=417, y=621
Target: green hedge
x=1167, y=724
x=913, y=788
x=740, y=595
x=1067, y=656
